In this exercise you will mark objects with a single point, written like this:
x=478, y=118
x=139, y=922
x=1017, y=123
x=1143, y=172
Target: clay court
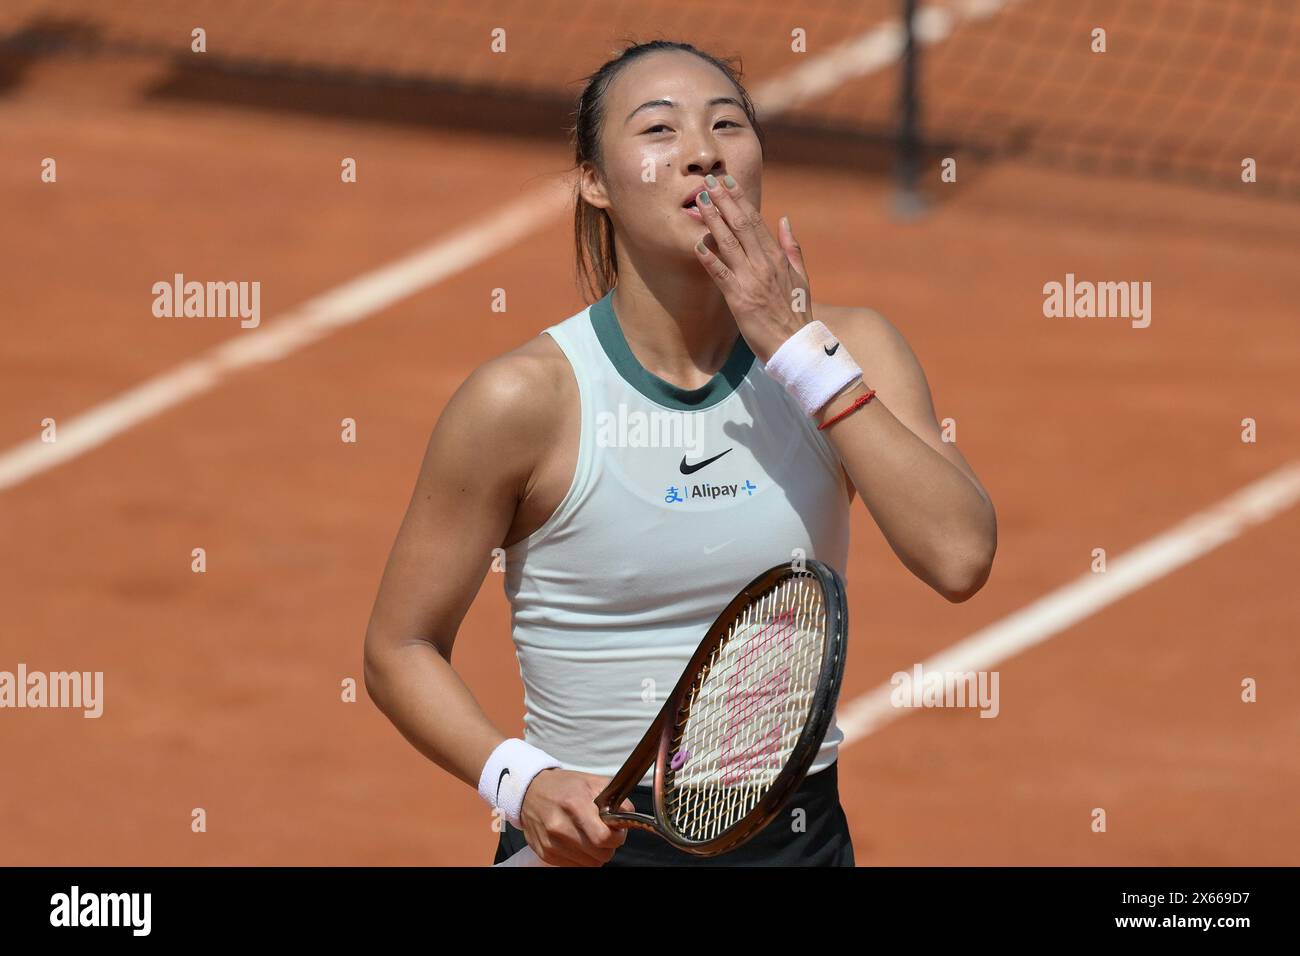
x=224, y=690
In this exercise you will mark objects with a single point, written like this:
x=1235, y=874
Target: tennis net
x=1186, y=89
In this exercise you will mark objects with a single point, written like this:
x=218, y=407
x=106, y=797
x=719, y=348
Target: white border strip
x=1083, y=597
x=310, y=322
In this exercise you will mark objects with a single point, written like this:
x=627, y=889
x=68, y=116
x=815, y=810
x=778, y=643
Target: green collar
x=725, y=381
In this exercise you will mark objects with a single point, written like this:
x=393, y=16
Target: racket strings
x=746, y=710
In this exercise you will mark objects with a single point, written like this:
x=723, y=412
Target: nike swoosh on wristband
x=692, y=469
x=504, y=771
x=832, y=351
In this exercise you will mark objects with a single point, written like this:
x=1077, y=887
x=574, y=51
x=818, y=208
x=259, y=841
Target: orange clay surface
x=223, y=689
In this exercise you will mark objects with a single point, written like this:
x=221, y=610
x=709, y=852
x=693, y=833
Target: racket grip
x=628, y=821
x=525, y=857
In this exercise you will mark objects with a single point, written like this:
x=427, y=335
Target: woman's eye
x=663, y=126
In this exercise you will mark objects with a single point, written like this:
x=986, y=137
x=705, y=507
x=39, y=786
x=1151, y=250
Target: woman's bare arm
x=920, y=489
x=479, y=459
x=481, y=465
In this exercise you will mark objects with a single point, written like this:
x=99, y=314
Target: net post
x=908, y=201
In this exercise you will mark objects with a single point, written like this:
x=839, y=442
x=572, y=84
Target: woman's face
x=670, y=120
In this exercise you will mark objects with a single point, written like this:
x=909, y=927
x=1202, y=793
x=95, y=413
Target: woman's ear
x=591, y=187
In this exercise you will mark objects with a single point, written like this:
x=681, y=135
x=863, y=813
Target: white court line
x=1088, y=594
x=316, y=318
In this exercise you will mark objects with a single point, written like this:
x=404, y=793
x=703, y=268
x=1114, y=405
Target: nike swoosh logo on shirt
x=833, y=350
x=692, y=469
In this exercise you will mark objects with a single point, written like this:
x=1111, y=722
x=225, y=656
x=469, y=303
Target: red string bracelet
x=848, y=411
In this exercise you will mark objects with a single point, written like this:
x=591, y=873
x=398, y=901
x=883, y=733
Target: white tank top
x=679, y=498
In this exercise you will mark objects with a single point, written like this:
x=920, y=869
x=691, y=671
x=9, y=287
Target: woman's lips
x=694, y=212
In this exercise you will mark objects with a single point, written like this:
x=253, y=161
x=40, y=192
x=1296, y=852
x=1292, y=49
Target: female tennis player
x=640, y=461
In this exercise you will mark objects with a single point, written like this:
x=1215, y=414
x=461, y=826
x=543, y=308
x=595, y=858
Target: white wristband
x=813, y=366
x=507, y=774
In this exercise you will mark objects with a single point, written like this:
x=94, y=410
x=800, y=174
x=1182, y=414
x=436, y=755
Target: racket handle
x=625, y=820
x=525, y=857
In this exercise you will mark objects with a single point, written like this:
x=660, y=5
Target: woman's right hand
x=561, y=822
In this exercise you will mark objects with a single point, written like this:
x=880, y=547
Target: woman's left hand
x=765, y=283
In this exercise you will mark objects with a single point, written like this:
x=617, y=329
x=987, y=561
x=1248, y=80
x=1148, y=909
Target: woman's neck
x=679, y=331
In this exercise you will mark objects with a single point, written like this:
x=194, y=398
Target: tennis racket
x=736, y=736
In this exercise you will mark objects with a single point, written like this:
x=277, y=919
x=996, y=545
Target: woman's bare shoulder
x=521, y=382
x=511, y=406
x=853, y=319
